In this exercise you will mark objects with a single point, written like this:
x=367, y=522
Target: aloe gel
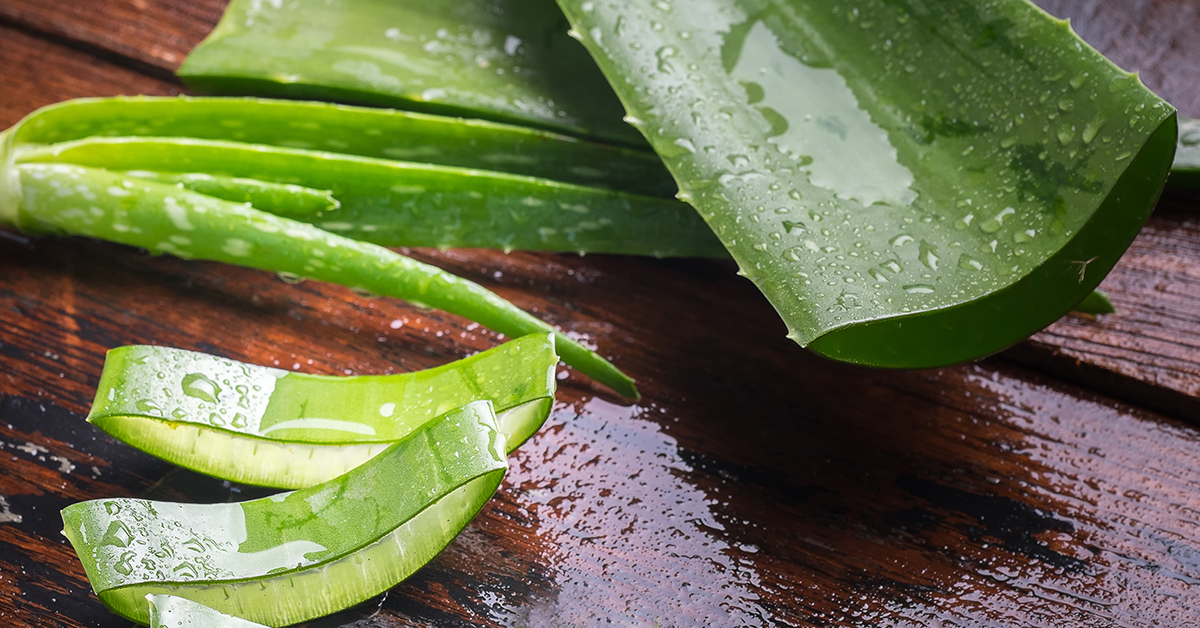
x=300, y=555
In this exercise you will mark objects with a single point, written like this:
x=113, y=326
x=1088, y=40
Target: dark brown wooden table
x=1055, y=485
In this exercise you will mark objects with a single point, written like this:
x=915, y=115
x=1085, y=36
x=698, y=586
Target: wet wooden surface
x=1057, y=484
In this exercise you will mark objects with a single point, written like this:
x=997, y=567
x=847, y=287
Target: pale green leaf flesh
x=169, y=611
x=362, y=131
x=266, y=426
x=909, y=183
x=299, y=555
x=1185, y=172
x=69, y=199
x=508, y=60
x=278, y=198
x=393, y=203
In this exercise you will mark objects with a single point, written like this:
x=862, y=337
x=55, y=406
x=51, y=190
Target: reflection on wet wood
x=754, y=485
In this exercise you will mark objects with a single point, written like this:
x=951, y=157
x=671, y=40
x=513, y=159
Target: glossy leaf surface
x=362, y=131
x=169, y=611
x=68, y=199
x=266, y=426
x=1185, y=172
x=909, y=183
x=299, y=555
x=394, y=203
x=508, y=60
x=278, y=198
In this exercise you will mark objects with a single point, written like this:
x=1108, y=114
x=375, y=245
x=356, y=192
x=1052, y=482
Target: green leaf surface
x=910, y=183
x=266, y=426
x=362, y=131
x=1095, y=303
x=1185, y=172
x=299, y=555
x=74, y=200
x=278, y=198
x=394, y=203
x=169, y=611
x=507, y=60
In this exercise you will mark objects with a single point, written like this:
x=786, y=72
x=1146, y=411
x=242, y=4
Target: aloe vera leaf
x=1185, y=172
x=278, y=198
x=294, y=556
x=394, y=203
x=1097, y=302
x=269, y=427
x=362, y=131
x=508, y=60
x=74, y=200
x=910, y=184
x=169, y=611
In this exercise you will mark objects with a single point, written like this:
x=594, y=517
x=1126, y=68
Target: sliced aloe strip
x=507, y=60
x=265, y=426
x=1185, y=172
x=393, y=203
x=278, y=198
x=169, y=611
x=74, y=200
x=909, y=184
x=362, y=131
x=299, y=555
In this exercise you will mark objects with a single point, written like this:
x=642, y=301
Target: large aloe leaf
x=909, y=182
x=507, y=60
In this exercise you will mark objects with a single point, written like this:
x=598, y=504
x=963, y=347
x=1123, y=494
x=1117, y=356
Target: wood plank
x=1156, y=38
x=1148, y=352
x=148, y=33
x=36, y=75
x=756, y=485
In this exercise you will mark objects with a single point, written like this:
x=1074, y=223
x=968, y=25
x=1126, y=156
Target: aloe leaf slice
x=169, y=611
x=910, y=184
x=265, y=426
x=507, y=60
x=299, y=555
x=362, y=131
x=1185, y=172
x=68, y=199
x=394, y=203
x=278, y=198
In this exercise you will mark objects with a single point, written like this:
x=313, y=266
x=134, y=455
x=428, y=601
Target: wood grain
x=149, y=34
x=1148, y=352
x=1156, y=38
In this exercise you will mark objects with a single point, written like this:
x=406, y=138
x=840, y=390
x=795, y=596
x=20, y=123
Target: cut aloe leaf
x=1095, y=303
x=299, y=555
x=68, y=199
x=507, y=60
x=1185, y=172
x=169, y=611
x=366, y=132
x=278, y=198
x=393, y=203
x=909, y=184
x=265, y=426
